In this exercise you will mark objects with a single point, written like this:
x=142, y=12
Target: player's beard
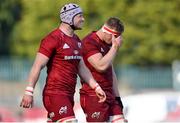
x=79, y=27
x=75, y=28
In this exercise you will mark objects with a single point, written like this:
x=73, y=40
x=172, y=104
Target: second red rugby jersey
x=91, y=45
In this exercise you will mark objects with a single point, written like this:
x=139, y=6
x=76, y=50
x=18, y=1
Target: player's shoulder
x=90, y=38
x=53, y=35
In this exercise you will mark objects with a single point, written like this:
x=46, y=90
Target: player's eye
x=117, y=35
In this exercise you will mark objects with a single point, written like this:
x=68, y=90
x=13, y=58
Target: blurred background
x=147, y=65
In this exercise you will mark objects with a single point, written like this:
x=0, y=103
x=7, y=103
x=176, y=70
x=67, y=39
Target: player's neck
x=99, y=33
x=66, y=29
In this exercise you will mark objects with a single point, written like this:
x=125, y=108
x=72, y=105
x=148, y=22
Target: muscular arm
x=116, y=91
x=101, y=63
x=86, y=75
x=115, y=84
x=39, y=63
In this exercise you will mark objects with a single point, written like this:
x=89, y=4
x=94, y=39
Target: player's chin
x=108, y=41
x=80, y=25
x=78, y=28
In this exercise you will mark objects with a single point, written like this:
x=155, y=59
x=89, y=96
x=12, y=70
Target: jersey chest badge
x=79, y=44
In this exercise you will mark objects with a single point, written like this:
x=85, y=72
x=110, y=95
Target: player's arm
x=115, y=89
x=86, y=75
x=39, y=63
x=115, y=83
x=100, y=62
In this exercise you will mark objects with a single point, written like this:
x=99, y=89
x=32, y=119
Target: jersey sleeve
x=90, y=47
x=48, y=46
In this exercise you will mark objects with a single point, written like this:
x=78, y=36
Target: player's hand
x=117, y=42
x=27, y=101
x=101, y=94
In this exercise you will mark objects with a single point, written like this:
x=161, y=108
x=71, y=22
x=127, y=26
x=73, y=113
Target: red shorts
x=59, y=107
x=99, y=112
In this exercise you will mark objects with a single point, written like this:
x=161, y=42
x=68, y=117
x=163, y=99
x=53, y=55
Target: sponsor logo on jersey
x=79, y=44
x=63, y=110
x=72, y=57
x=96, y=115
x=66, y=46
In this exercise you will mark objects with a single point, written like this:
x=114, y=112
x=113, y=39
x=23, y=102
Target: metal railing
x=137, y=77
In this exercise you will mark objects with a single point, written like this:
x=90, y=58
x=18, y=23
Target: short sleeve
x=48, y=46
x=90, y=47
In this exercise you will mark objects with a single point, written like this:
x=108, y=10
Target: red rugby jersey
x=91, y=45
x=62, y=68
